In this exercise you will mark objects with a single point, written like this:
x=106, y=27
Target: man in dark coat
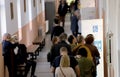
x=21, y=58
x=8, y=54
x=62, y=10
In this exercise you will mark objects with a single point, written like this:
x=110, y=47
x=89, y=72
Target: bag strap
x=62, y=72
x=89, y=55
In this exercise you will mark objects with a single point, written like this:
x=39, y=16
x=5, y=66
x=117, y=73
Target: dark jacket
x=62, y=11
x=9, y=57
x=74, y=24
x=56, y=31
x=94, y=52
x=8, y=52
x=22, y=55
x=55, y=51
x=7, y=47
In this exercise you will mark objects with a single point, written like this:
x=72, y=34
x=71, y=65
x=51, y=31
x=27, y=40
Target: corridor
x=27, y=19
x=43, y=67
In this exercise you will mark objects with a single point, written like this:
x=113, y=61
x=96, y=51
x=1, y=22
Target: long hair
x=65, y=61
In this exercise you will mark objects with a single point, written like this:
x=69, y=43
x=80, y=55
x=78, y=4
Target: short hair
x=65, y=61
x=63, y=49
x=70, y=39
x=56, y=20
x=6, y=36
x=63, y=36
x=82, y=52
x=80, y=38
x=89, y=39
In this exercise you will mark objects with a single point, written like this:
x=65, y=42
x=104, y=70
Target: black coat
x=56, y=31
x=8, y=52
x=55, y=50
x=62, y=11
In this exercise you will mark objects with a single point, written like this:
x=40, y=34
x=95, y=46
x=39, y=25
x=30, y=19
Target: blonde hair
x=80, y=39
x=65, y=61
x=63, y=49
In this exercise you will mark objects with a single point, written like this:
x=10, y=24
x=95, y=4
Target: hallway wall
x=112, y=17
x=28, y=18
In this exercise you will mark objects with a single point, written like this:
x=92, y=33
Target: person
x=76, y=4
x=21, y=58
x=71, y=9
x=64, y=70
x=55, y=50
x=8, y=54
x=56, y=29
x=62, y=11
x=55, y=41
x=74, y=23
x=73, y=61
x=94, y=51
x=73, y=42
x=86, y=65
x=80, y=42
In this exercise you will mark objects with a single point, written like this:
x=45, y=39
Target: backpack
x=89, y=55
x=21, y=56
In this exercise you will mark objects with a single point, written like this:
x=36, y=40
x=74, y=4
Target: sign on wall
x=95, y=27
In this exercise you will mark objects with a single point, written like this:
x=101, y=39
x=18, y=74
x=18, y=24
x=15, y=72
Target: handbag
x=62, y=72
x=49, y=56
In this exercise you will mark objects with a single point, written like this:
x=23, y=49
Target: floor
x=43, y=67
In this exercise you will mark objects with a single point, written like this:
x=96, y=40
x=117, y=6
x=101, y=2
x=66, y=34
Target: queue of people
x=67, y=53
x=82, y=55
x=69, y=56
x=73, y=52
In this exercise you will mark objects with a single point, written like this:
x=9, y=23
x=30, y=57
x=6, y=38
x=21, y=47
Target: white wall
x=112, y=15
x=11, y=23
x=27, y=16
x=88, y=9
x=21, y=18
x=3, y=14
x=39, y=8
x=118, y=29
